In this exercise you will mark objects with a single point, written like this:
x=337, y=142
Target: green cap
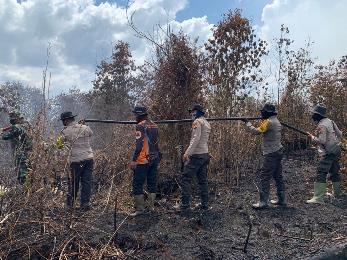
x=15, y=114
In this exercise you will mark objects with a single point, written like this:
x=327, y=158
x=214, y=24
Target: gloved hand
x=245, y=120
x=82, y=122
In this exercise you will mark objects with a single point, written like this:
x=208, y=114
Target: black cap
x=140, y=111
x=269, y=108
x=320, y=110
x=67, y=115
x=197, y=107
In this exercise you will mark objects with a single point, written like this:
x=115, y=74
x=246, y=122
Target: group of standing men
x=328, y=139
x=76, y=137
x=147, y=157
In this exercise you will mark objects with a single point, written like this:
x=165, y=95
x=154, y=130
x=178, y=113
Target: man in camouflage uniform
x=18, y=134
x=328, y=138
x=196, y=159
x=270, y=128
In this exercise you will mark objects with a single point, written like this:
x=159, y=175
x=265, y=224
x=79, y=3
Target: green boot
x=151, y=200
x=337, y=190
x=139, y=205
x=319, y=192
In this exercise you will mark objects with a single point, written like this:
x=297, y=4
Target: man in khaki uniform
x=328, y=138
x=76, y=138
x=196, y=159
x=270, y=128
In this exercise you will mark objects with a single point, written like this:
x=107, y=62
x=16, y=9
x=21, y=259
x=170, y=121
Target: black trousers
x=80, y=172
x=145, y=172
x=272, y=168
x=196, y=166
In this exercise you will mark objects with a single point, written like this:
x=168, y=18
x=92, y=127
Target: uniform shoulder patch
x=195, y=124
x=138, y=134
x=264, y=125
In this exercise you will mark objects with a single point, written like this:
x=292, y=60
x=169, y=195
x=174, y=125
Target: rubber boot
x=337, y=190
x=184, y=205
x=202, y=207
x=151, y=200
x=139, y=205
x=85, y=207
x=179, y=207
x=319, y=192
x=280, y=199
x=263, y=200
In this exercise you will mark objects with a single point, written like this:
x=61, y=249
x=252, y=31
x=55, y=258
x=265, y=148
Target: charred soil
x=298, y=231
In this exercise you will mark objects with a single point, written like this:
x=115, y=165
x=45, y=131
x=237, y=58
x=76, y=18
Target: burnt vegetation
x=230, y=75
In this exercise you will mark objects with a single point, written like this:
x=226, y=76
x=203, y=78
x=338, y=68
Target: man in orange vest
x=145, y=160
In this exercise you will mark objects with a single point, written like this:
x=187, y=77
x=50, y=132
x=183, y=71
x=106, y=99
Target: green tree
x=176, y=83
x=115, y=79
x=234, y=55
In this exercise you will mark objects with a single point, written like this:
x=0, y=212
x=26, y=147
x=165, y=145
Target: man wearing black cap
x=328, y=140
x=145, y=160
x=76, y=138
x=270, y=128
x=196, y=159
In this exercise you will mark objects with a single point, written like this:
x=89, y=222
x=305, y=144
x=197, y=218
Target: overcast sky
x=82, y=32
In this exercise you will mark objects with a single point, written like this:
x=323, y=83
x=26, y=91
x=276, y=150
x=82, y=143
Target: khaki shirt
x=271, y=130
x=328, y=136
x=200, y=134
x=76, y=139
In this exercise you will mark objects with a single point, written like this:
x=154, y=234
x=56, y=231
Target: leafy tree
x=176, y=83
x=234, y=55
x=111, y=95
x=177, y=80
x=327, y=89
x=14, y=95
x=234, y=59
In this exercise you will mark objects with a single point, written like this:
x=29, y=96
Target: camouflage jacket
x=19, y=137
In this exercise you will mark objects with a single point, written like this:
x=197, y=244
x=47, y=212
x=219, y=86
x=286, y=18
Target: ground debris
x=298, y=231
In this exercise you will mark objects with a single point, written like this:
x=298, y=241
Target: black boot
x=280, y=199
x=184, y=205
x=263, y=200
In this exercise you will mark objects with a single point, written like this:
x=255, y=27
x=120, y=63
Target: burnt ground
x=299, y=231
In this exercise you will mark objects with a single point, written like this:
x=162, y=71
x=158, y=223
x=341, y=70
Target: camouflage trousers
x=196, y=166
x=22, y=167
x=329, y=164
